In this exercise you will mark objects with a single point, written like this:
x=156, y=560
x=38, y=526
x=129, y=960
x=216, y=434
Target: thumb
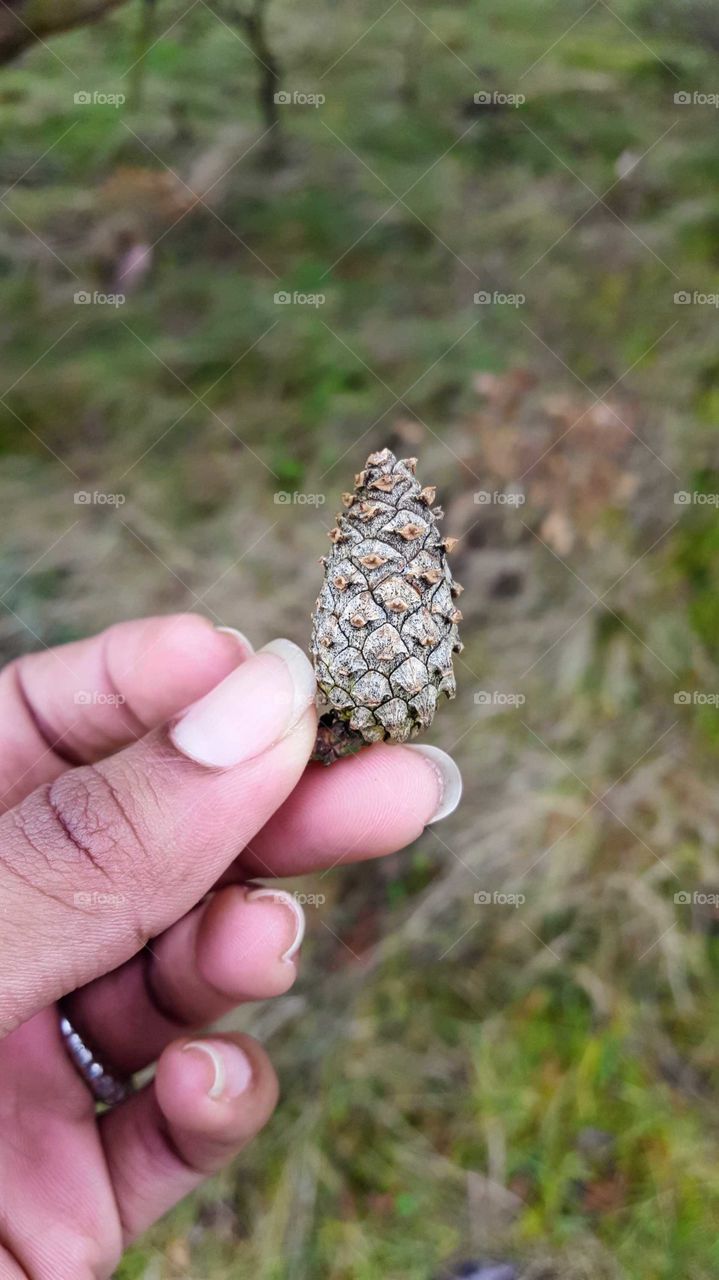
x=105, y=857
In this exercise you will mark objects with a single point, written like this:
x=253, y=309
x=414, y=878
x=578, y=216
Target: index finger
x=78, y=702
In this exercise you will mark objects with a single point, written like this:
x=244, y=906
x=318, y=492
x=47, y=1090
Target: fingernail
x=448, y=776
x=286, y=900
x=231, y=1068
x=259, y=703
x=304, y=684
x=239, y=636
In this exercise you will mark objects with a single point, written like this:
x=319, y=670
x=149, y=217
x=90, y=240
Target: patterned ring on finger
x=105, y=1087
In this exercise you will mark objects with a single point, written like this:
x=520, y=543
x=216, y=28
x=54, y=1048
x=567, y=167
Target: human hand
x=129, y=830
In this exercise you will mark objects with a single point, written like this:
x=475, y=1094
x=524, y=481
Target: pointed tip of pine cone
x=379, y=458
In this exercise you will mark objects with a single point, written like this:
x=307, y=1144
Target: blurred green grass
x=444, y=1065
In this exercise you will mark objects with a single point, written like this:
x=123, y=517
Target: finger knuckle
x=83, y=819
x=98, y=818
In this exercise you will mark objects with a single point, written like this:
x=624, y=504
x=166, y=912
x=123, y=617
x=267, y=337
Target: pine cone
x=385, y=624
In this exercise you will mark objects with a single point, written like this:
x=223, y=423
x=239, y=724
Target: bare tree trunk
x=23, y=22
x=145, y=33
x=269, y=82
x=253, y=22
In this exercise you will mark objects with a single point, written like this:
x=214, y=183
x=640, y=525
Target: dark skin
x=125, y=855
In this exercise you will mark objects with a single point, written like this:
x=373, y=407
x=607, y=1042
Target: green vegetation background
x=535, y=1082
